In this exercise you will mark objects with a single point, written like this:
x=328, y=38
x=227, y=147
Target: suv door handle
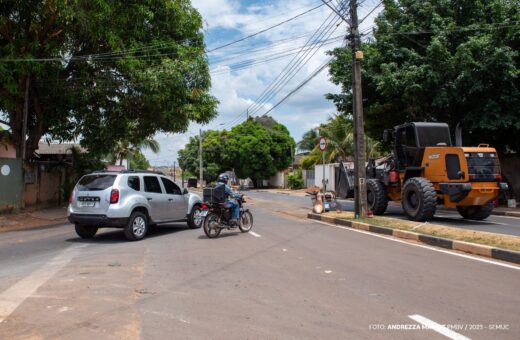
x=170, y=199
x=149, y=198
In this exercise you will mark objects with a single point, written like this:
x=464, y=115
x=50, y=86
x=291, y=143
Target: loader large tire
x=475, y=212
x=376, y=196
x=419, y=199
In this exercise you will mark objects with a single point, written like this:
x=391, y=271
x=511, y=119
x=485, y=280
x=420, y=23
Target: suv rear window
x=95, y=182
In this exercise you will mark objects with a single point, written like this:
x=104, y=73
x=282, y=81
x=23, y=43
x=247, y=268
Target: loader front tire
x=419, y=199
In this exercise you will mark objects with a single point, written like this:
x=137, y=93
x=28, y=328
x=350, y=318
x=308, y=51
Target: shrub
x=295, y=180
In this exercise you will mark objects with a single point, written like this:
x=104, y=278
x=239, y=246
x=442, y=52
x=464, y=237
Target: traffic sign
x=323, y=143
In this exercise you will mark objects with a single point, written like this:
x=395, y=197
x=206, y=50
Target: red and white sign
x=323, y=144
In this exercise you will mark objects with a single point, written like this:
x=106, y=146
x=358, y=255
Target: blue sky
x=238, y=89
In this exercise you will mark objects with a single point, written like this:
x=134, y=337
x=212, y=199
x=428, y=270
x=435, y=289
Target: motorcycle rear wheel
x=246, y=221
x=211, y=226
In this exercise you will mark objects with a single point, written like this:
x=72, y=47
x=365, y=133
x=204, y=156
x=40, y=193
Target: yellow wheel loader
x=426, y=171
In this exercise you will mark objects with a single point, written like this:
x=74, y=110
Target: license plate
x=203, y=213
x=86, y=204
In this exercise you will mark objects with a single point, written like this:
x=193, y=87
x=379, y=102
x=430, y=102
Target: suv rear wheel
x=85, y=231
x=137, y=226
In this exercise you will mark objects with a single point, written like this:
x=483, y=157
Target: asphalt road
x=291, y=279
x=493, y=224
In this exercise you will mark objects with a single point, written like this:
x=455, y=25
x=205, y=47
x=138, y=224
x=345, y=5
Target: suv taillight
x=114, y=196
x=71, y=196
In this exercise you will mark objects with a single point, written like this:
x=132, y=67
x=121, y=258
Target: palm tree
x=125, y=149
x=309, y=140
x=339, y=132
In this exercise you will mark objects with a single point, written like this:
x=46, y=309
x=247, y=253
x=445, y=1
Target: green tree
x=212, y=147
x=139, y=161
x=309, y=140
x=123, y=149
x=339, y=133
x=440, y=60
x=258, y=148
x=102, y=70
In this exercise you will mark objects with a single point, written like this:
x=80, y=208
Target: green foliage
x=440, y=60
x=339, y=133
x=212, y=149
x=139, y=161
x=124, y=149
x=295, y=180
x=309, y=140
x=82, y=164
x=113, y=70
x=257, y=149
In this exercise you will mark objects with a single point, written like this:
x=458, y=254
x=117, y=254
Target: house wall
x=278, y=180
x=43, y=186
x=10, y=152
x=329, y=176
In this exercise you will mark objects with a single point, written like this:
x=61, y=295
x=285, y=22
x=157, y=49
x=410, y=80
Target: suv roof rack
x=132, y=171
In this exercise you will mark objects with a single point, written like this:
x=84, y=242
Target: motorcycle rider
x=222, y=180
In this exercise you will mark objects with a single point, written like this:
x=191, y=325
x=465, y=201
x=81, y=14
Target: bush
x=295, y=180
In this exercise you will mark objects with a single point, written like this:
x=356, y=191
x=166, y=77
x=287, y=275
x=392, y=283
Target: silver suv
x=133, y=200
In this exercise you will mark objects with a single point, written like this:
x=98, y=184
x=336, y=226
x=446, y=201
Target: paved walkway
x=33, y=219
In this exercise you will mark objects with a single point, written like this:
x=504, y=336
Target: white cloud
x=228, y=20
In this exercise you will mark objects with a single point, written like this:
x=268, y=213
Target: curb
x=506, y=213
x=56, y=223
x=472, y=248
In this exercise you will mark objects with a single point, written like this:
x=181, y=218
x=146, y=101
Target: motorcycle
x=217, y=217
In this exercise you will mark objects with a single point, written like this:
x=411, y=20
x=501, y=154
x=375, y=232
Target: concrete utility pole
x=360, y=191
x=200, y=157
x=174, y=171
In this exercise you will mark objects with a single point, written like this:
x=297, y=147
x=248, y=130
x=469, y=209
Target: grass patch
x=480, y=237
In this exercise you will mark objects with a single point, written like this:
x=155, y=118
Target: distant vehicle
x=133, y=200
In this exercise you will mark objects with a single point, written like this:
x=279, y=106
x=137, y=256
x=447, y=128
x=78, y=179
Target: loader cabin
x=412, y=138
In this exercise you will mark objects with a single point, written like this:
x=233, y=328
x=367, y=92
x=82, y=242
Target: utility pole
x=174, y=170
x=200, y=157
x=247, y=114
x=360, y=192
x=25, y=115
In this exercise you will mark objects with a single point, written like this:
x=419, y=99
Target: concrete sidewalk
x=33, y=219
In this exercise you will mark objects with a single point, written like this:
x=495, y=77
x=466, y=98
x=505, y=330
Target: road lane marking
x=422, y=246
x=437, y=327
x=255, y=234
x=15, y=295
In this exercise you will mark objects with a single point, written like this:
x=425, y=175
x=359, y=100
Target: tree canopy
x=255, y=149
x=102, y=71
x=440, y=60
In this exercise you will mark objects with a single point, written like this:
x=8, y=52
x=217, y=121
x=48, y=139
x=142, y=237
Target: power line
x=295, y=62
x=302, y=84
x=264, y=30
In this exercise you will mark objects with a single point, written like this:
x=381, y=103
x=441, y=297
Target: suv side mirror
x=184, y=191
x=387, y=136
